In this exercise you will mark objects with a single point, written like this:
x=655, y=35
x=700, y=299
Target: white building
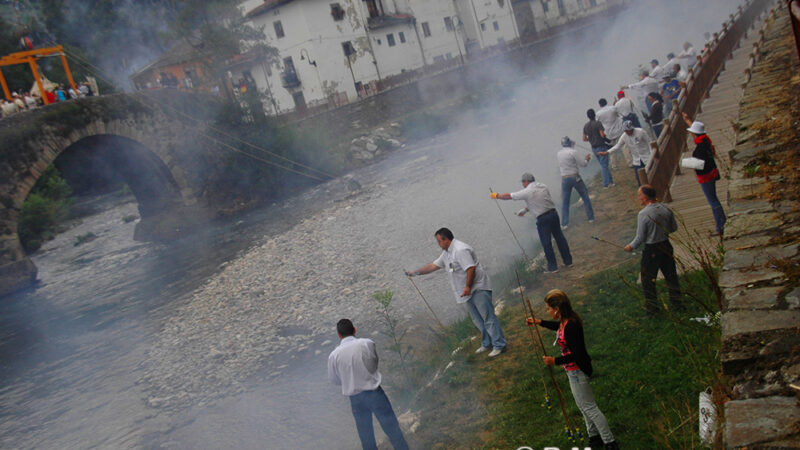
x=537, y=16
x=334, y=53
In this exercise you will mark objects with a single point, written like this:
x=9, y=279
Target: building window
x=438, y=59
x=288, y=64
x=448, y=24
x=483, y=26
x=337, y=12
x=373, y=8
x=501, y=3
x=426, y=29
x=496, y=26
x=278, y=29
x=348, y=49
x=402, y=37
x=390, y=39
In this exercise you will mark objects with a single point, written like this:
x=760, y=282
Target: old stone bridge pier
x=150, y=139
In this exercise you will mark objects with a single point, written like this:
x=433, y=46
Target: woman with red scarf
x=708, y=175
x=577, y=363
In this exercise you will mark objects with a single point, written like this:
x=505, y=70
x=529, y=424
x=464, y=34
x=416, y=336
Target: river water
x=220, y=340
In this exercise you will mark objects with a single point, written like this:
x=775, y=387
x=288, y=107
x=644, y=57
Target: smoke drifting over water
x=245, y=348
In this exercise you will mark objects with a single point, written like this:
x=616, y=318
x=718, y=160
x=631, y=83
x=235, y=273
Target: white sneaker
x=551, y=271
x=483, y=349
x=564, y=227
x=496, y=352
x=591, y=221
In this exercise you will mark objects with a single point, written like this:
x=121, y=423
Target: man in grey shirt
x=655, y=223
x=353, y=365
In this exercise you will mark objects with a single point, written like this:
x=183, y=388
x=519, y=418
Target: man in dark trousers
x=655, y=223
x=353, y=365
x=537, y=201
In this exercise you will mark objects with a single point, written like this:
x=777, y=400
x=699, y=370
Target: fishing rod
x=525, y=255
x=571, y=435
x=607, y=242
x=535, y=348
x=424, y=300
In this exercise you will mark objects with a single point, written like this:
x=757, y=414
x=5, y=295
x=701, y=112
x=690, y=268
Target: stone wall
x=761, y=321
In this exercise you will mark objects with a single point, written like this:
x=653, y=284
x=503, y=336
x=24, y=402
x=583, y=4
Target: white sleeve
x=519, y=195
x=465, y=259
x=618, y=144
x=333, y=375
x=370, y=357
x=440, y=261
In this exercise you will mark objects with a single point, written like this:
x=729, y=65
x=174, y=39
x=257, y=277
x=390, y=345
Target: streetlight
x=457, y=23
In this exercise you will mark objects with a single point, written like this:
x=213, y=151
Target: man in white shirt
x=471, y=286
x=644, y=87
x=537, y=200
x=638, y=141
x=569, y=164
x=611, y=119
x=688, y=55
x=353, y=365
x=657, y=72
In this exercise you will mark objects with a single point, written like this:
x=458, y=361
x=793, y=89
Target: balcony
x=290, y=79
x=387, y=20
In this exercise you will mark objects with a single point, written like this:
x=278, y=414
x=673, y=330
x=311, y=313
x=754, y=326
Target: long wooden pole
x=533, y=342
x=552, y=375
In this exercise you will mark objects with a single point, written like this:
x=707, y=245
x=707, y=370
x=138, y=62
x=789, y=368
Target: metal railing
x=665, y=161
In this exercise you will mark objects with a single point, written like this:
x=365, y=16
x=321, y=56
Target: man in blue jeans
x=537, y=200
x=353, y=365
x=471, y=286
x=594, y=134
x=568, y=164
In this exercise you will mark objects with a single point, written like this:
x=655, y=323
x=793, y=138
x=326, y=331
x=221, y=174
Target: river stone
x=734, y=278
x=760, y=420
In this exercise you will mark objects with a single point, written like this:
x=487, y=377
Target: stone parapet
x=760, y=350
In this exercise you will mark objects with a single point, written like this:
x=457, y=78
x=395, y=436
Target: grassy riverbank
x=648, y=371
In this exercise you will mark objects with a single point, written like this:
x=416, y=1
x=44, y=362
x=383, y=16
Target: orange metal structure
x=30, y=57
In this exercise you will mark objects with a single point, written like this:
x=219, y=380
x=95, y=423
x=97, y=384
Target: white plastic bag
x=693, y=163
x=708, y=417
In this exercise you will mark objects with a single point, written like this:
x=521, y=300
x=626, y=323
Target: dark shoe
x=596, y=442
x=612, y=446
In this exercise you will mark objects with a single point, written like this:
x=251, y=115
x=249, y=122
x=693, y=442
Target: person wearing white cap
x=569, y=164
x=638, y=142
x=708, y=175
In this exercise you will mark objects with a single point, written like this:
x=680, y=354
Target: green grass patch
x=648, y=371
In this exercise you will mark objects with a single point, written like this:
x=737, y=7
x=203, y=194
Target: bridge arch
x=154, y=152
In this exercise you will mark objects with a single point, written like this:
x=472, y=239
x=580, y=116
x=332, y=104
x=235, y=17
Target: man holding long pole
x=655, y=223
x=471, y=286
x=538, y=201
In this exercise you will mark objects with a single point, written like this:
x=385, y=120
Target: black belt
x=545, y=213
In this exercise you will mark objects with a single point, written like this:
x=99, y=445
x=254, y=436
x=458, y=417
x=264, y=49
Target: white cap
x=697, y=128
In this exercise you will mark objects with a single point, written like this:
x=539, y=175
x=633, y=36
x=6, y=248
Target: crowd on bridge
x=30, y=100
x=632, y=123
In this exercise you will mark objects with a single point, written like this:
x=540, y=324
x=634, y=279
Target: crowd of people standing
x=31, y=100
x=611, y=128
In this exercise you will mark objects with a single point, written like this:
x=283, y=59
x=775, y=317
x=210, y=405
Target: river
x=220, y=340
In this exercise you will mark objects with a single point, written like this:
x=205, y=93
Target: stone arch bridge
x=151, y=139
